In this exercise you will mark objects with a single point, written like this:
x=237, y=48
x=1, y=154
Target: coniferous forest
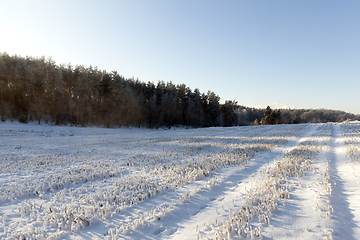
x=37, y=89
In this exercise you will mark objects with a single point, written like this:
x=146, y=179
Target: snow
x=266, y=182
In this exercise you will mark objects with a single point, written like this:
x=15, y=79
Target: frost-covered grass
x=351, y=133
x=94, y=183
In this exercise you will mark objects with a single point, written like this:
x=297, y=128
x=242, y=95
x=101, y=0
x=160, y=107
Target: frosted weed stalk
x=90, y=205
x=222, y=159
x=126, y=192
x=273, y=186
x=351, y=133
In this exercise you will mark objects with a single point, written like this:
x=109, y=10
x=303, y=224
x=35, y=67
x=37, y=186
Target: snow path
x=301, y=216
x=345, y=197
x=231, y=197
x=315, y=213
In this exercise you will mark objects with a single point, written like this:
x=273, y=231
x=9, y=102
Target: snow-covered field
x=267, y=182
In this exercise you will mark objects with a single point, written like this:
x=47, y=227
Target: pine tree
x=269, y=117
x=228, y=113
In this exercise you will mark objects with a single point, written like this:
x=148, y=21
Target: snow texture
x=260, y=182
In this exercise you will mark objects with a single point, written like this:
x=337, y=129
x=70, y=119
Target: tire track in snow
x=345, y=227
x=344, y=199
x=304, y=214
x=230, y=196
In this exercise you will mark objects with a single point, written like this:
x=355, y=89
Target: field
x=260, y=182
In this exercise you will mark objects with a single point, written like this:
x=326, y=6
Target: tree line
x=254, y=116
x=37, y=89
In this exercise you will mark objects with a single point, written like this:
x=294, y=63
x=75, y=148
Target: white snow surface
x=259, y=182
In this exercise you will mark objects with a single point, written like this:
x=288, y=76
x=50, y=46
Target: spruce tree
x=269, y=117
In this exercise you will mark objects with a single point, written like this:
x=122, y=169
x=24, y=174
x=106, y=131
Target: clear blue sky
x=292, y=53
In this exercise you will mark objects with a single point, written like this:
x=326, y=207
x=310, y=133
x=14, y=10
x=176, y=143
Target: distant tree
x=277, y=117
x=197, y=112
x=3, y=89
x=269, y=117
x=229, y=115
x=286, y=117
x=213, y=109
x=256, y=122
